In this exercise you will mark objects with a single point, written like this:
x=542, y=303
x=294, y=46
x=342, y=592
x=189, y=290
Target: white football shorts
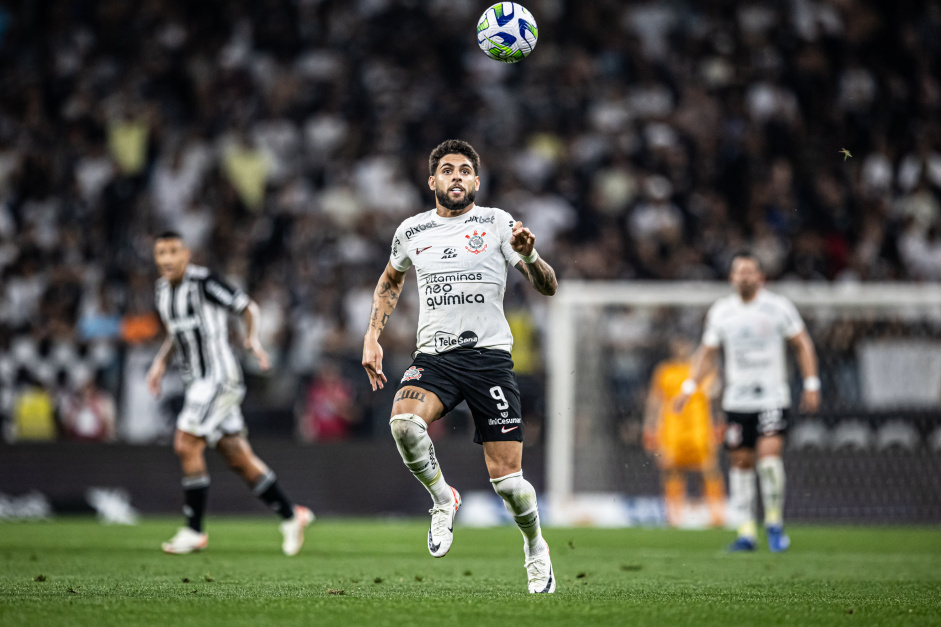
x=212, y=410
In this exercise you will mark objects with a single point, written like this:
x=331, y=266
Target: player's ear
x=476, y=183
x=431, y=182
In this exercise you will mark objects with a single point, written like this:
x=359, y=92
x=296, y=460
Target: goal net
x=872, y=453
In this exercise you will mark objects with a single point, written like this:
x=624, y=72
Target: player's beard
x=748, y=290
x=455, y=205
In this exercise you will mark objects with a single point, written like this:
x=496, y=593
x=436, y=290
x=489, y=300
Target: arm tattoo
x=540, y=275
x=383, y=304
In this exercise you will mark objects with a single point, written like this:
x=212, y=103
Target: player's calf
x=519, y=499
x=411, y=437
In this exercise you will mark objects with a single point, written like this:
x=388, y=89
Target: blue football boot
x=742, y=544
x=777, y=539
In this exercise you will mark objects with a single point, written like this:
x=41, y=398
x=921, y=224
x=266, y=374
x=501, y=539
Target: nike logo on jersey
x=420, y=250
x=505, y=430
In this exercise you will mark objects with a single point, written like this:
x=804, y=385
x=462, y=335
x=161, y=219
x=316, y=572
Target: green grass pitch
x=360, y=572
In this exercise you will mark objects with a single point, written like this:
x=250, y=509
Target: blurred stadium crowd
x=287, y=139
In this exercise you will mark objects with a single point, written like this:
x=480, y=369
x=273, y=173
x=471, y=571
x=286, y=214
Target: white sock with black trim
x=742, y=500
x=519, y=498
x=418, y=453
x=772, y=479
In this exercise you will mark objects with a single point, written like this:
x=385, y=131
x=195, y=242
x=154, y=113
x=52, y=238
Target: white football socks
x=771, y=477
x=742, y=500
x=519, y=498
x=418, y=453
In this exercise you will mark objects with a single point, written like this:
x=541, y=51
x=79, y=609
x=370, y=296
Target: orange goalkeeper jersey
x=686, y=437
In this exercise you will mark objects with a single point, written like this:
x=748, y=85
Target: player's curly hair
x=453, y=147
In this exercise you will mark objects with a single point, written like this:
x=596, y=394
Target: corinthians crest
x=476, y=243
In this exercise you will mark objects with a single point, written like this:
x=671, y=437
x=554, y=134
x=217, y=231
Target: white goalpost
x=904, y=318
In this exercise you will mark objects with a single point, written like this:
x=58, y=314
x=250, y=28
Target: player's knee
x=407, y=429
x=187, y=447
x=509, y=485
x=743, y=459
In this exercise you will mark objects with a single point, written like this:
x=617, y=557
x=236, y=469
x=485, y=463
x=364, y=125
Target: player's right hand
x=810, y=401
x=372, y=362
x=155, y=376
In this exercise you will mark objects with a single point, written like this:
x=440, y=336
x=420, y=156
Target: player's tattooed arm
x=384, y=300
x=541, y=275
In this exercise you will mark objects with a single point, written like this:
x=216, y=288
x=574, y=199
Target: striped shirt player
x=195, y=305
x=461, y=254
x=752, y=327
x=195, y=313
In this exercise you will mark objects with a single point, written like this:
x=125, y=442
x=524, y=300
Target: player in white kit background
x=752, y=326
x=461, y=253
x=194, y=305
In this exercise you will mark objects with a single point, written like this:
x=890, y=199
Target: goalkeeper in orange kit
x=687, y=441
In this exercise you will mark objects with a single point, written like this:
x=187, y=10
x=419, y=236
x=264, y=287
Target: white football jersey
x=461, y=265
x=753, y=336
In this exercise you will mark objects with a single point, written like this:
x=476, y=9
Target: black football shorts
x=743, y=429
x=482, y=377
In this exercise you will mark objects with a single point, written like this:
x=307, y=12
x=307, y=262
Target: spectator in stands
x=88, y=415
x=328, y=407
x=33, y=416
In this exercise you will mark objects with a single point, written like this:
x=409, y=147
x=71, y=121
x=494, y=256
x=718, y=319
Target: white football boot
x=186, y=541
x=441, y=532
x=539, y=571
x=293, y=529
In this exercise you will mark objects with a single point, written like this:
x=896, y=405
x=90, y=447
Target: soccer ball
x=507, y=32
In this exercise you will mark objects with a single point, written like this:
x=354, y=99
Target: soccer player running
x=194, y=304
x=461, y=253
x=683, y=441
x=752, y=327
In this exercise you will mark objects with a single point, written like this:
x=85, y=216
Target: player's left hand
x=522, y=241
x=810, y=401
x=255, y=348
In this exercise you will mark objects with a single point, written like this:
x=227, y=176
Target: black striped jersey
x=195, y=313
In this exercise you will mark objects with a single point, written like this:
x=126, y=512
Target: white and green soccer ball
x=507, y=32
